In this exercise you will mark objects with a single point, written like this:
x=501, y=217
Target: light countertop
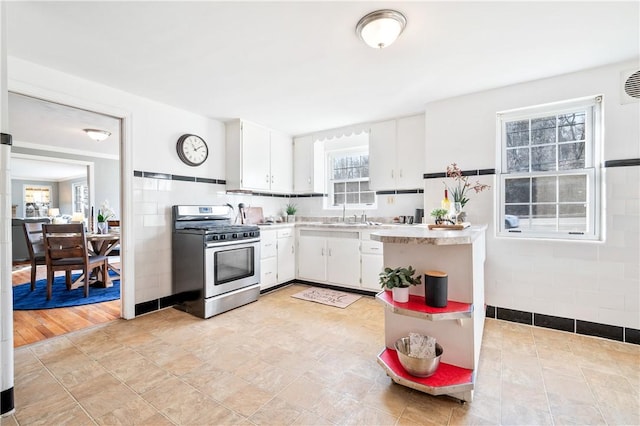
x=421, y=234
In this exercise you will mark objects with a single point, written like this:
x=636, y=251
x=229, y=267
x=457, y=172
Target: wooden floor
x=33, y=326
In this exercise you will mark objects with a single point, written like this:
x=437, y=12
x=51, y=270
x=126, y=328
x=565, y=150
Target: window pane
x=353, y=198
x=338, y=199
x=573, y=218
x=339, y=187
x=543, y=130
x=519, y=210
x=571, y=127
x=543, y=217
x=573, y=188
x=571, y=156
x=368, y=197
x=517, y=133
x=516, y=190
x=364, y=185
x=518, y=160
x=544, y=189
x=353, y=186
x=543, y=158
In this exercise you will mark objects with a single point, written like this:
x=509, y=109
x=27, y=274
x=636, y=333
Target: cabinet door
x=312, y=258
x=268, y=246
x=382, y=155
x=410, y=152
x=286, y=259
x=255, y=156
x=343, y=261
x=372, y=265
x=303, y=161
x=268, y=272
x=281, y=178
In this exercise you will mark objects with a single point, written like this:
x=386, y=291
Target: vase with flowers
x=104, y=214
x=459, y=190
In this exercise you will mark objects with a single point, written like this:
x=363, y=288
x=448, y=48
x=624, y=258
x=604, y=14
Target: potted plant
x=440, y=216
x=399, y=280
x=290, y=210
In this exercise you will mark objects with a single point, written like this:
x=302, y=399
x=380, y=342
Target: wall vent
x=630, y=86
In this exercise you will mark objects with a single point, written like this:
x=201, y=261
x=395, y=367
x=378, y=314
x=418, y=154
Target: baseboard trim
x=571, y=325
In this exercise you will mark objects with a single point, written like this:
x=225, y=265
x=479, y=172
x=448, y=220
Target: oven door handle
x=231, y=243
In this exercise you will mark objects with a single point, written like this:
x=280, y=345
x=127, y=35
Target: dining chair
x=35, y=247
x=114, y=227
x=66, y=250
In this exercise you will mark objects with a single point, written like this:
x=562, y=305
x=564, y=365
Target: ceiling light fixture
x=381, y=28
x=97, y=135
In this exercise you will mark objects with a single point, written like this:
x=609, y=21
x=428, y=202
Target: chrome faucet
x=344, y=207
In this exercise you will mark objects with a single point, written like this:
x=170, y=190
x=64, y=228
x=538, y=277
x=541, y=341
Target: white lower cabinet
x=372, y=265
x=343, y=261
x=286, y=255
x=268, y=259
x=277, y=257
x=334, y=257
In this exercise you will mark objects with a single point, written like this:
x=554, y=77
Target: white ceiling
x=43, y=170
x=299, y=67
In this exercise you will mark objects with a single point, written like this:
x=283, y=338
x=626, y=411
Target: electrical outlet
x=391, y=199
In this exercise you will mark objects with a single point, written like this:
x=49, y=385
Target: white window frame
x=594, y=130
x=84, y=201
x=330, y=156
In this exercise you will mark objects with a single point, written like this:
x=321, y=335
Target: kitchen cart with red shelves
x=459, y=326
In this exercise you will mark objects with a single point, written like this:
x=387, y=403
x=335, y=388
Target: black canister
x=419, y=215
x=435, y=289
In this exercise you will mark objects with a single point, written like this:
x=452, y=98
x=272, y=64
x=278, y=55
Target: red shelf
x=416, y=307
x=447, y=379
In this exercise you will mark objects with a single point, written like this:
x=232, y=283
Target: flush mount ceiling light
x=381, y=28
x=97, y=135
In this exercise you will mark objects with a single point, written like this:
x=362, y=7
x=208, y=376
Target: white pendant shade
x=97, y=135
x=381, y=28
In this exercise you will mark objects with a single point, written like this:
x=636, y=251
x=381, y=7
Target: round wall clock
x=192, y=149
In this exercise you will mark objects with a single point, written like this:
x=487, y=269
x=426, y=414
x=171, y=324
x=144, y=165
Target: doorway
x=54, y=134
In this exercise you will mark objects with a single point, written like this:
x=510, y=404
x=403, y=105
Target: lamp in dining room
x=54, y=212
x=77, y=217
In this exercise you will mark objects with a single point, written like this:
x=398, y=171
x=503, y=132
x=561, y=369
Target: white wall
x=596, y=282
x=152, y=130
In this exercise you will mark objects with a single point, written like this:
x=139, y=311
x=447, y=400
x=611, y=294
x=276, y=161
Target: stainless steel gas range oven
x=215, y=264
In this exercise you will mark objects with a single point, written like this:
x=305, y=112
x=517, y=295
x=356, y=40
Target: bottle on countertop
x=445, y=203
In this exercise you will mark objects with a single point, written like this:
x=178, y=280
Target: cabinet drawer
x=285, y=233
x=370, y=246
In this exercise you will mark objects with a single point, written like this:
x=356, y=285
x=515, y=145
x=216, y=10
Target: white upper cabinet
x=258, y=158
x=396, y=153
x=303, y=165
x=308, y=166
x=281, y=162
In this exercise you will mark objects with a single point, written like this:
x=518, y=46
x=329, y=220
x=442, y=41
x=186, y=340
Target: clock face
x=192, y=149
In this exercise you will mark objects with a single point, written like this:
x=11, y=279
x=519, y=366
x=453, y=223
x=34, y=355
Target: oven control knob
x=223, y=237
x=214, y=237
x=234, y=235
x=246, y=234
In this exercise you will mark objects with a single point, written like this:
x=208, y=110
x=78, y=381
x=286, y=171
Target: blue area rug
x=25, y=300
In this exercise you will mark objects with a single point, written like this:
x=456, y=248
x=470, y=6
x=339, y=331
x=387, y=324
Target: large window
x=37, y=200
x=549, y=170
x=349, y=181
x=80, y=198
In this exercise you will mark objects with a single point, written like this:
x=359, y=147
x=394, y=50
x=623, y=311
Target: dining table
x=102, y=245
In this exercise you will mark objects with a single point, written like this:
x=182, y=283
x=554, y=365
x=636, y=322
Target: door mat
x=325, y=296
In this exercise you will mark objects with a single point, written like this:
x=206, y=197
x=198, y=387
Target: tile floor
x=283, y=361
